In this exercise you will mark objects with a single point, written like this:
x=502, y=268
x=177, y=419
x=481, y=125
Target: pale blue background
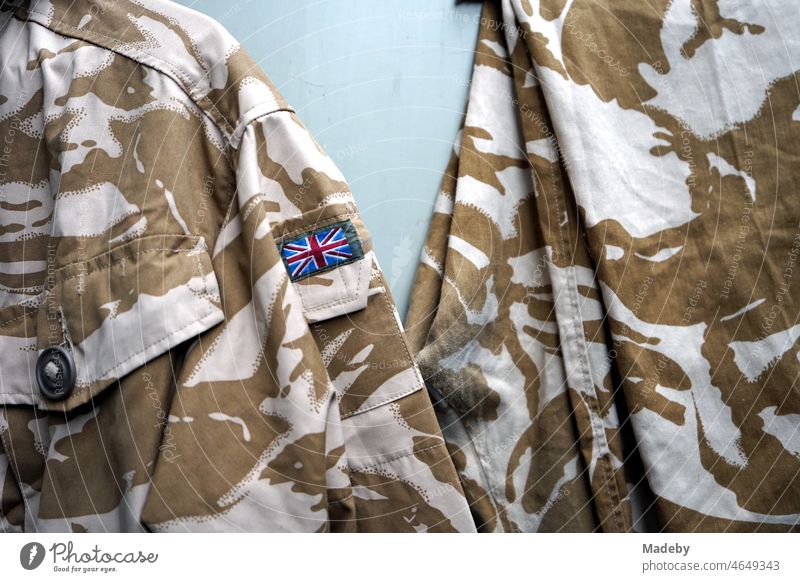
x=382, y=86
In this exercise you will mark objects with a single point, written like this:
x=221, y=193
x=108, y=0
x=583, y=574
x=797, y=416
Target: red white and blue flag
x=319, y=251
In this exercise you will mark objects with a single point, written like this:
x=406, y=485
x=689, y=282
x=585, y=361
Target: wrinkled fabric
x=606, y=304
x=150, y=175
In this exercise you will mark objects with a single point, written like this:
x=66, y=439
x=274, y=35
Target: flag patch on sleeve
x=321, y=249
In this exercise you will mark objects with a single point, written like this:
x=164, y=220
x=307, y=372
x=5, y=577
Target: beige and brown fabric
x=151, y=181
x=608, y=303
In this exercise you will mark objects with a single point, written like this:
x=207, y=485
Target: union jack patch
x=321, y=250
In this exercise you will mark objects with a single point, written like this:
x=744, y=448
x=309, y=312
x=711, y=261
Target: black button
x=55, y=373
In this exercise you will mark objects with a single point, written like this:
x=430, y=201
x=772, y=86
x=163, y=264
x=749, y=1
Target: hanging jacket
x=607, y=302
x=195, y=333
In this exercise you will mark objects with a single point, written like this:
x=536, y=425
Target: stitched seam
x=597, y=429
x=418, y=386
x=18, y=289
x=395, y=458
x=400, y=334
x=334, y=302
x=129, y=243
x=116, y=262
x=194, y=92
x=226, y=220
x=202, y=272
x=261, y=115
x=598, y=433
x=94, y=271
x=356, y=247
x=211, y=311
x=27, y=314
x=375, y=405
x=241, y=127
x=324, y=269
x=342, y=500
x=235, y=139
x=202, y=101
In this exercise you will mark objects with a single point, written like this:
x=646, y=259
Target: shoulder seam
x=143, y=57
x=251, y=115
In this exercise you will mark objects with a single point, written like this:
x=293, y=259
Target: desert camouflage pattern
x=149, y=173
x=607, y=306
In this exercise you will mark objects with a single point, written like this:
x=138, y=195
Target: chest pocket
x=110, y=315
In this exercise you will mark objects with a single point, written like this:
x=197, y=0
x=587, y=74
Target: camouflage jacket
x=607, y=303
x=194, y=331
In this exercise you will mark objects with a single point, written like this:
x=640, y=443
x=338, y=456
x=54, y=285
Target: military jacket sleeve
x=175, y=238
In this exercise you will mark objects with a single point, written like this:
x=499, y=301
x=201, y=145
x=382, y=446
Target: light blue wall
x=382, y=85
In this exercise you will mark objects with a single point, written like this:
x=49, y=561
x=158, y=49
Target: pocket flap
x=346, y=301
x=127, y=306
